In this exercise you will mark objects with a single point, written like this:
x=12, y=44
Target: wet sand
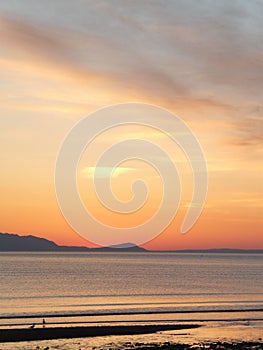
x=203, y=346
x=28, y=334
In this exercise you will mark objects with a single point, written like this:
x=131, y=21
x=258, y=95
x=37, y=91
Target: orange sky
x=202, y=62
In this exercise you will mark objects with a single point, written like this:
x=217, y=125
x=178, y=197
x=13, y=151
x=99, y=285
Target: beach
x=118, y=300
x=163, y=337
x=14, y=335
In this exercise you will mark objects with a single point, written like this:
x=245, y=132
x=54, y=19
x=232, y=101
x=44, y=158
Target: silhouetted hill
x=127, y=247
x=216, y=251
x=14, y=242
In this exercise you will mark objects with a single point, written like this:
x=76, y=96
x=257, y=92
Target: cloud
x=200, y=59
x=246, y=128
x=103, y=172
x=182, y=55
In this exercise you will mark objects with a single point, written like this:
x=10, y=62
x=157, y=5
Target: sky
x=202, y=60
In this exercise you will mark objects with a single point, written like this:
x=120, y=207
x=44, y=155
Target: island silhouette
x=14, y=242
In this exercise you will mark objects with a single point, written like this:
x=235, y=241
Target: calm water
x=130, y=288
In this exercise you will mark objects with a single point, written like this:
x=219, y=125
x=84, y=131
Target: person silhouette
x=44, y=323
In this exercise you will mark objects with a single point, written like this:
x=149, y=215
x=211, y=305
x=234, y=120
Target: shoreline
x=152, y=312
x=27, y=334
x=243, y=345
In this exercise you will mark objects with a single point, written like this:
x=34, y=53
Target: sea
x=221, y=292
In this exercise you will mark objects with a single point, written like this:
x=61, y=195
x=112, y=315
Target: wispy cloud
x=180, y=55
x=105, y=172
x=200, y=59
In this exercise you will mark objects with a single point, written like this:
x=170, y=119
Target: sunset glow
x=204, y=64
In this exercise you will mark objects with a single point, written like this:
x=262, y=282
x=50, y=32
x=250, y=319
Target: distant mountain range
x=217, y=250
x=14, y=242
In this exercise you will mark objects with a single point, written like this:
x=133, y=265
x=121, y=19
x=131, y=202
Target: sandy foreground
x=28, y=334
x=63, y=338
x=203, y=346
